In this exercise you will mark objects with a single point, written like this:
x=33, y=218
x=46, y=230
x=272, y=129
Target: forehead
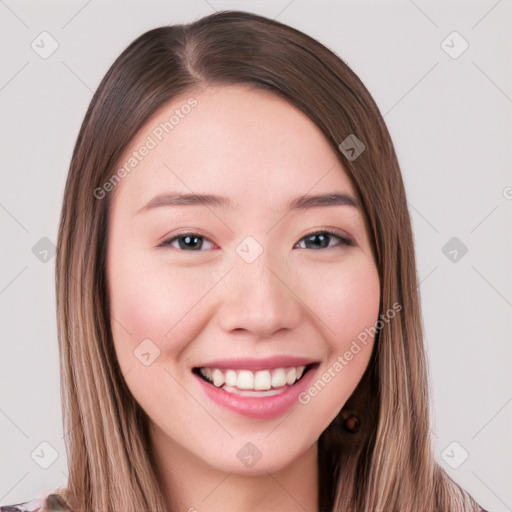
x=245, y=143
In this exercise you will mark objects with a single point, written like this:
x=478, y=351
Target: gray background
x=450, y=119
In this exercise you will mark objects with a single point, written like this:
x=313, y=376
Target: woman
x=281, y=365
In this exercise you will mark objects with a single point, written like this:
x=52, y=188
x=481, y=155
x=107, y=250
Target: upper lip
x=266, y=363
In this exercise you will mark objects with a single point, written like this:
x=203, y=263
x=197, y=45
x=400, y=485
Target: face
x=238, y=322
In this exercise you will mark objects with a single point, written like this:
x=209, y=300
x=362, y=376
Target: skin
x=197, y=305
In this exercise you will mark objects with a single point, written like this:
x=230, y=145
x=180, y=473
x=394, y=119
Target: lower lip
x=258, y=407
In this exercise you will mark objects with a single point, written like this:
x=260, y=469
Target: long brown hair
x=388, y=465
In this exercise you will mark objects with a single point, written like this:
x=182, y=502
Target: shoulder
x=52, y=501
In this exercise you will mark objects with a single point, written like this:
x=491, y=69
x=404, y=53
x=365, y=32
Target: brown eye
x=186, y=242
x=322, y=239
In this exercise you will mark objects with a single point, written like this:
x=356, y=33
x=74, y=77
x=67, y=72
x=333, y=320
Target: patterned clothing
x=52, y=501
x=47, y=502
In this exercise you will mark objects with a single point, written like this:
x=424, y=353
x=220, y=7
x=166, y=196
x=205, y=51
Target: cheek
x=346, y=299
x=151, y=300
x=348, y=306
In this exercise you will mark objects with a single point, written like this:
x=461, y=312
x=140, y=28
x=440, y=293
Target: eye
x=321, y=239
x=186, y=241
x=317, y=240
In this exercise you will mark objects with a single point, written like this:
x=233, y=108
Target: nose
x=260, y=298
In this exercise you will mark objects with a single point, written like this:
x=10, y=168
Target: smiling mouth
x=254, y=383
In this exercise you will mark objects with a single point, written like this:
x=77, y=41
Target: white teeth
x=278, y=378
x=230, y=378
x=218, y=378
x=291, y=376
x=207, y=372
x=245, y=380
x=270, y=392
x=260, y=380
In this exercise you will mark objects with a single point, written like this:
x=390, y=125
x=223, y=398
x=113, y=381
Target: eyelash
x=344, y=240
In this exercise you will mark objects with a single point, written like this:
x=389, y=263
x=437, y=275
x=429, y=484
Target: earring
x=352, y=424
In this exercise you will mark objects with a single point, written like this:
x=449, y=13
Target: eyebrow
x=299, y=203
